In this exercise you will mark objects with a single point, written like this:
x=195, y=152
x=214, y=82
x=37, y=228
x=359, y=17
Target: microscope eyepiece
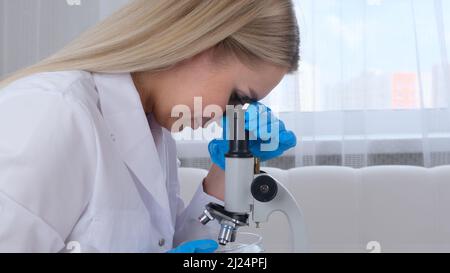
x=237, y=134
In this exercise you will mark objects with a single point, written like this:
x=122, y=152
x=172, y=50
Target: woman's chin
x=199, y=123
x=195, y=124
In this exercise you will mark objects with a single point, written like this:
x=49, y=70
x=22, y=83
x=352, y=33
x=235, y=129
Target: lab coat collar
x=124, y=114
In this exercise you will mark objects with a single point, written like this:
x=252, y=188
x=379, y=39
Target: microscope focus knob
x=264, y=188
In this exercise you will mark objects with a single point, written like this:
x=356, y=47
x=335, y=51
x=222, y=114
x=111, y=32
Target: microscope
x=250, y=194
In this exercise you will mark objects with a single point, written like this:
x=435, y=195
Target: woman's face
x=198, y=83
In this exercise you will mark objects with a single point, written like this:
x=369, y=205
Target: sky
x=336, y=28
x=341, y=39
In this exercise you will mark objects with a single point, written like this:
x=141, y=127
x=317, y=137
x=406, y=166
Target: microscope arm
x=286, y=203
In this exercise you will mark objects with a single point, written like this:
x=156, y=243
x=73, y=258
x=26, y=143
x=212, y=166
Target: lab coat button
x=162, y=242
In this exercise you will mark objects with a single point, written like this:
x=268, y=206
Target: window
x=369, y=55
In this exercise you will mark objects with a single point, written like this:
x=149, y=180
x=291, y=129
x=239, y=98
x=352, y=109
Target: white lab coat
x=82, y=168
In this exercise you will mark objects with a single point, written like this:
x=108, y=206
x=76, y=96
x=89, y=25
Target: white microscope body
x=249, y=192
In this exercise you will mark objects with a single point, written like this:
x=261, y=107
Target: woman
x=86, y=155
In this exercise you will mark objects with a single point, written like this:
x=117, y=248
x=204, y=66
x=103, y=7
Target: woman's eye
x=235, y=99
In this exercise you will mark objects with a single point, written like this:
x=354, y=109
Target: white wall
x=107, y=6
x=31, y=30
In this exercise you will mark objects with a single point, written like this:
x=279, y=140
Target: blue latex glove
x=199, y=246
x=259, y=121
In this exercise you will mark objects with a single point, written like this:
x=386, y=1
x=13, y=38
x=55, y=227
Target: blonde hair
x=151, y=35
